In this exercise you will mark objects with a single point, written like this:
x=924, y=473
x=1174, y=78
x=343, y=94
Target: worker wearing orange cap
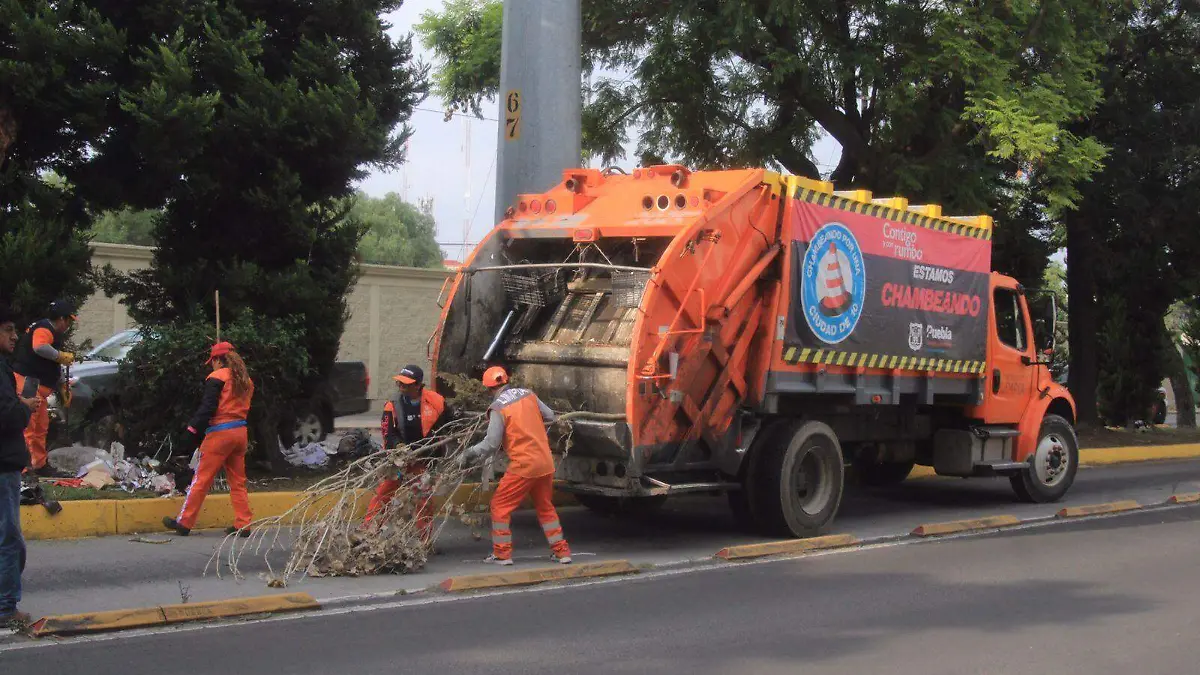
x=415, y=413
x=41, y=355
x=221, y=422
x=517, y=422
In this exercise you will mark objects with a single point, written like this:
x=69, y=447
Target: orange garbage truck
x=757, y=335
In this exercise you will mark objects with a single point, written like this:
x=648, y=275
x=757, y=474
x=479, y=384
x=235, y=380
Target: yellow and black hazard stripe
x=834, y=357
x=881, y=211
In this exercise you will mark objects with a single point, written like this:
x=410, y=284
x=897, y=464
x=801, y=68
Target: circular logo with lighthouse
x=833, y=283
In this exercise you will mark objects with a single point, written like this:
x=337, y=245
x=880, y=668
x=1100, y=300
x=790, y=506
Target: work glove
x=65, y=358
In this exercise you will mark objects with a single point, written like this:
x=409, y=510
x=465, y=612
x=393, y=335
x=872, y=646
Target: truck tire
x=883, y=474
x=1053, y=464
x=798, y=480
x=625, y=507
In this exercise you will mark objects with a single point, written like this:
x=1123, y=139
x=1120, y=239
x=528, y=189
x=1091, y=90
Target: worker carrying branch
x=415, y=413
x=41, y=355
x=517, y=421
x=221, y=422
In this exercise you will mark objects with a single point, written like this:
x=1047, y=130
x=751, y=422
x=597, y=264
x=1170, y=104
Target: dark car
x=96, y=399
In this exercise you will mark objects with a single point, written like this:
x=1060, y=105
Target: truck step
x=995, y=432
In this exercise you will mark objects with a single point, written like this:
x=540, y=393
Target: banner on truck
x=885, y=288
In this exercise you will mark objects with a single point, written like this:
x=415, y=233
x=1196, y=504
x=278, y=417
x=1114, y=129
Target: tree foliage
x=248, y=122
x=1133, y=241
x=395, y=232
x=933, y=101
x=161, y=377
x=52, y=83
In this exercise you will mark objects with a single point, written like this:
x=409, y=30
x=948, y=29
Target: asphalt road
x=65, y=577
x=1115, y=595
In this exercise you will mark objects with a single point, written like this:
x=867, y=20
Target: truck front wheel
x=1053, y=464
x=798, y=480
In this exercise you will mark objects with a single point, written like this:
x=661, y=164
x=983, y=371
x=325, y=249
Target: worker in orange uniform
x=517, y=422
x=415, y=413
x=40, y=355
x=221, y=422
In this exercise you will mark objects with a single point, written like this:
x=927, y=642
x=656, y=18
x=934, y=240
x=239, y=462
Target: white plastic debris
x=310, y=455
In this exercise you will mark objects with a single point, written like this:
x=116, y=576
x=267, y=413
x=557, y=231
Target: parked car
x=96, y=399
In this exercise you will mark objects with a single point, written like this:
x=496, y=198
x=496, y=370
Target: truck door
x=1011, y=352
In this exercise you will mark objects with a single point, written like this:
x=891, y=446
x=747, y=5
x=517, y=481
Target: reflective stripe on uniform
x=501, y=538
x=554, y=538
x=552, y=525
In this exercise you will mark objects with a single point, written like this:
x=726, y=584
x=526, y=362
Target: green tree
x=936, y=102
x=54, y=61
x=397, y=233
x=248, y=123
x=126, y=226
x=1133, y=243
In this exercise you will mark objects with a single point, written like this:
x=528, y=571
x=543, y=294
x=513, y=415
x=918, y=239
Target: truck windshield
x=116, y=347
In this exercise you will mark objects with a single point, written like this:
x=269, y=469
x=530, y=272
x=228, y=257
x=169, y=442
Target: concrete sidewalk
x=116, y=573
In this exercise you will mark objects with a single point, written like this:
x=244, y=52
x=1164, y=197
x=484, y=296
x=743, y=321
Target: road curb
x=750, y=551
x=120, y=619
x=955, y=526
x=1186, y=498
x=107, y=517
x=474, y=582
x=1097, y=509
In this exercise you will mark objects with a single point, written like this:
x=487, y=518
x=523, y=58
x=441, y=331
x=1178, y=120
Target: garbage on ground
x=98, y=469
x=97, y=479
x=311, y=455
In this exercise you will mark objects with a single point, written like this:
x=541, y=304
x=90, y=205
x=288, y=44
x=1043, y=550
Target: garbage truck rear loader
x=752, y=334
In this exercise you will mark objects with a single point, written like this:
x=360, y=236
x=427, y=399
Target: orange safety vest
x=525, y=438
x=433, y=405
x=231, y=407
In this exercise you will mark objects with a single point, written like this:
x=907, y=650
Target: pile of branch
x=325, y=531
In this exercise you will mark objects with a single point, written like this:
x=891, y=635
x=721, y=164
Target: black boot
x=244, y=533
x=172, y=524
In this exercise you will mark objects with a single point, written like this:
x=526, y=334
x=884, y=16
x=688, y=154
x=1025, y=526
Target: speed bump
x=955, y=526
x=1096, y=509
x=749, y=551
x=120, y=619
x=476, y=582
x=1186, y=498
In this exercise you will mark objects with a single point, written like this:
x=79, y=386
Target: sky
x=440, y=153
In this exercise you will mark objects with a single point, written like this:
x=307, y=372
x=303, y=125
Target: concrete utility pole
x=540, y=97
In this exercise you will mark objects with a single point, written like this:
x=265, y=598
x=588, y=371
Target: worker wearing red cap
x=517, y=422
x=41, y=355
x=221, y=422
x=415, y=413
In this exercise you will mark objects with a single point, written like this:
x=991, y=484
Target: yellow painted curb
x=1149, y=453
x=105, y=517
x=748, y=551
x=987, y=523
x=1094, y=509
x=536, y=576
x=1186, y=498
x=72, y=624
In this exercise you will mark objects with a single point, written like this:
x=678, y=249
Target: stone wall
x=393, y=311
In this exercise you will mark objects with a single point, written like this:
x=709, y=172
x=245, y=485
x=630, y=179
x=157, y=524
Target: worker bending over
x=221, y=422
x=414, y=414
x=40, y=355
x=517, y=422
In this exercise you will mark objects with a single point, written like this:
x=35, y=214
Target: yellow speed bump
x=1096, y=509
x=955, y=526
x=1186, y=498
x=748, y=551
x=71, y=624
x=476, y=582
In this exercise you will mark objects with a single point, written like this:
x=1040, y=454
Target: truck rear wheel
x=1053, y=464
x=798, y=480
